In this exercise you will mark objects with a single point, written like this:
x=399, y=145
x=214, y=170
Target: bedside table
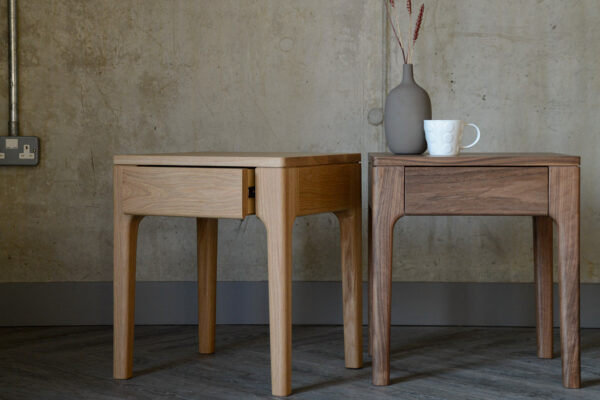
x=277, y=187
x=545, y=186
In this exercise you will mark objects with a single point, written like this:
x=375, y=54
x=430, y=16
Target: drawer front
x=476, y=190
x=188, y=192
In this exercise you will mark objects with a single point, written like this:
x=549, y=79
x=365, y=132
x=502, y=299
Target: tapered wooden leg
x=275, y=207
x=387, y=202
x=564, y=209
x=280, y=308
x=370, y=283
x=351, y=245
x=542, y=256
x=125, y=238
x=207, y=231
x=382, y=295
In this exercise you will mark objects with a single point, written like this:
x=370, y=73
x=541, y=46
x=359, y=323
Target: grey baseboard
x=166, y=303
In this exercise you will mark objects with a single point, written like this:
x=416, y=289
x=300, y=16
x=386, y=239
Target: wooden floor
x=427, y=363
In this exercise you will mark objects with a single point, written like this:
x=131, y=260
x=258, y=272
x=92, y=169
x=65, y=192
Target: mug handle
x=476, y=139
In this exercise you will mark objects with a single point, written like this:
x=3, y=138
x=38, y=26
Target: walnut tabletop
x=232, y=159
x=475, y=159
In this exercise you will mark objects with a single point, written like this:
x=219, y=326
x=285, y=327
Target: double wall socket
x=19, y=150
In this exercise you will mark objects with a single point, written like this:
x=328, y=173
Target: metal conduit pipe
x=13, y=123
x=16, y=149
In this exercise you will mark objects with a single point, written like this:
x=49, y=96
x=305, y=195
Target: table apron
x=476, y=190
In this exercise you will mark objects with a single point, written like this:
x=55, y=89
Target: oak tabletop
x=475, y=159
x=232, y=159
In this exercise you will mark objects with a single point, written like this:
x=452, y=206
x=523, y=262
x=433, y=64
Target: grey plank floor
x=427, y=363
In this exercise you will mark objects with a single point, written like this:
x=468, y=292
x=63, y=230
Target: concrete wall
x=106, y=77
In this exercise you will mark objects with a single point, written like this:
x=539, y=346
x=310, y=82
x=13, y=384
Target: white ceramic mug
x=444, y=136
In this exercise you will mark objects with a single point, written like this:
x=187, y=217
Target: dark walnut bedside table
x=545, y=186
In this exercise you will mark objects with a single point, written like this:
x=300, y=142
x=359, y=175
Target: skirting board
x=319, y=303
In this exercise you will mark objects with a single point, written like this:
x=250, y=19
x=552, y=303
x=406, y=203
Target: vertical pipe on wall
x=382, y=145
x=13, y=124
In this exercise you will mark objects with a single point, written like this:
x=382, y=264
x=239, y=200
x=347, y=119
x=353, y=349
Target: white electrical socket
x=26, y=154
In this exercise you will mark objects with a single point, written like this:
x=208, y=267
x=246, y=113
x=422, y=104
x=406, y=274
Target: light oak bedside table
x=277, y=187
x=545, y=186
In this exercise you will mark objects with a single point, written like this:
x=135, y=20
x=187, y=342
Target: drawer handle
x=251, y=192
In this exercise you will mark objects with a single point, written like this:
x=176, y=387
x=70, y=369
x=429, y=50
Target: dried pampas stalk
x=419, y=22
x=396, y=33
x=410, y=47
x=413, y=35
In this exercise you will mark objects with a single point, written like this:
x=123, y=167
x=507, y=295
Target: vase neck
x=407, y=74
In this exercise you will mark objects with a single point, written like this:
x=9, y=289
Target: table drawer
x=476, y=190
x=188, y=192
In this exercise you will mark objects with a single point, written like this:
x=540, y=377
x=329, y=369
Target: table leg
x=275, y=199
x=564, y=209
x=370, y=283
x=387, y=204
x=207, y=232
x=351, y=246
x=125, y=242
x=542, y=256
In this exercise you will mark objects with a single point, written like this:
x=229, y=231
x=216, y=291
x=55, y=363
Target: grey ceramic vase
x=406, y=107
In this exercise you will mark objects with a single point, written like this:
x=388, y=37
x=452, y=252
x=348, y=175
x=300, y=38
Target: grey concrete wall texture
x=107, y=77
